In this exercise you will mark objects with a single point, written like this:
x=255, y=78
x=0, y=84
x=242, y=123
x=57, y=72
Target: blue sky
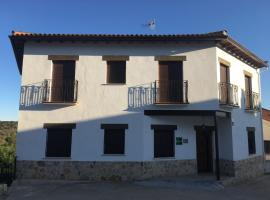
x=248, y=21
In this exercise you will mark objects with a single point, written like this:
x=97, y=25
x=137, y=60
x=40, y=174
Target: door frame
x=227, y=81
x=167, y=83
x=248, y=88
x=210, y=130
x=63, y=89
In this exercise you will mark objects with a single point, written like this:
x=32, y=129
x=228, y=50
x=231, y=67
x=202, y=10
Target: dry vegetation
x=8, y=131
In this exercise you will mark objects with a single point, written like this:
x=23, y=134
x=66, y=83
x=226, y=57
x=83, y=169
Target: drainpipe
x=261, y=119
x=216, y=148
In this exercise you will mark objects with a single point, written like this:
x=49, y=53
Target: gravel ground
x=191, y=188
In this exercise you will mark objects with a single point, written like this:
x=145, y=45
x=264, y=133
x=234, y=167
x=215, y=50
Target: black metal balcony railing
x=60, y=91
x=170, y=92
x=252, y=100
x=228, y=94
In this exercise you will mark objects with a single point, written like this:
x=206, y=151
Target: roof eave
x=18, y=48
x=221, y=39
x=229, y=44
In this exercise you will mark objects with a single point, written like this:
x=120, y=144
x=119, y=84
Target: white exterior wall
x=266, y=130
x=266, y=136
x=101, y=103
x=185, y=129
x=225, y=138
x=241, y=118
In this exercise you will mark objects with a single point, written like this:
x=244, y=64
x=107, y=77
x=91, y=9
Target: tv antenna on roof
x=151, y=24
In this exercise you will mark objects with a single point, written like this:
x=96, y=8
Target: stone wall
x=226, y=167
x=123, y=171
x=95, y=171
x=243, y=169
x=249, y=168
x=267, y=166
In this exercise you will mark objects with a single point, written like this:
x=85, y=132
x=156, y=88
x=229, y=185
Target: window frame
x=114, y=127
x=267, y=147
x=62, y=87
x=225, y=90
x=249, y=89
x=70, y=143
x=251, y=147
x=158, y=129
x=110, y=66
x=227, y=71
x=108, y=149
x=69, y=126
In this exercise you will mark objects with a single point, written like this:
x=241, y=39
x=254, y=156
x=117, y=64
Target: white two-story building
x=125, y=107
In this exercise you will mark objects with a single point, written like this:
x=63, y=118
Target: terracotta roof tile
x=204, y=35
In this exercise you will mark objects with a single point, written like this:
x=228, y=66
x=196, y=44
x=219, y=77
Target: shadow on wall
x=31, y=98
x=242, y=101
x=254, y=103
x=88, y=49
x=88, y=130
x=31, y=95
x=141, y=96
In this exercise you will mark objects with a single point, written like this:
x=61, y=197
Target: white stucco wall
x=266, y=137
x=185, y=129
x=225, y=138
x=266, y=130
x=240, y=117
x=101, y=103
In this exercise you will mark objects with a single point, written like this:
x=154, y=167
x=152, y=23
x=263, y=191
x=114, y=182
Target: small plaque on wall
x=179, y=141
x=185, y=140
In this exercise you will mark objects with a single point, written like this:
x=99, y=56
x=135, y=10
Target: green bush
x=7, y=141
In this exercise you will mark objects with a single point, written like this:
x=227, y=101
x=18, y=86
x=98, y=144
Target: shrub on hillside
x=7, y=141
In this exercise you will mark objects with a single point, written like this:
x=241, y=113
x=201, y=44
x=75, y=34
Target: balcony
x=170, y=92
x=252, y=101
x=228, y=95
x=60, y=91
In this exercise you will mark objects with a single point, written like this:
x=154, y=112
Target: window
x=251, y=140
x=248, y=92
x=224, y=84
x=163, y=140
x=116, y=71
x=63, y=81
x=114, y=138
x=170, y=83
x=58, y=142
x=267, y=147
x=224, y=73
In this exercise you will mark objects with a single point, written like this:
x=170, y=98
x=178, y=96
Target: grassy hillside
x=8, y=131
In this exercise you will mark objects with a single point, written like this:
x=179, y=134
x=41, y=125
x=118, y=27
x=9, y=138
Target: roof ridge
x=23, y=33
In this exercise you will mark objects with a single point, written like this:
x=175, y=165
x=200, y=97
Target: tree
x=8, y=142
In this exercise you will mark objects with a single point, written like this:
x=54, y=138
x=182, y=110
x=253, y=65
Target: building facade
x=125, y=107
x=266, y=132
